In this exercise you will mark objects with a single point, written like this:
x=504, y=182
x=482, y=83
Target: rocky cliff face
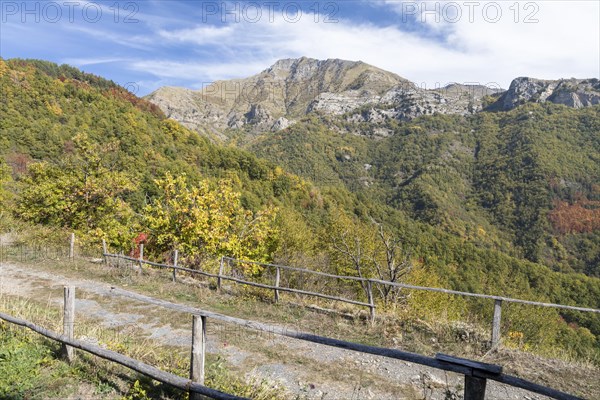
x=402, y=102
x=575, y=93
x=354, y=91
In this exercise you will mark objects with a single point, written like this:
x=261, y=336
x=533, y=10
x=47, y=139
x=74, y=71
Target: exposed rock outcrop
x=575, y=93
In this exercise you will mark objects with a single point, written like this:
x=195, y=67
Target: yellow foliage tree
x=368, y=250
x=208, y=220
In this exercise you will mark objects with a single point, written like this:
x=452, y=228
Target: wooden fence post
x=72, y=247
x=474, y=388
x=104, y=252
x=474, y=383
x=141, y=256
x=175, y=257
x=277, y=277
x=198, y=352
x=496, y=323
x=371, y=301
x=221, y=266
x=68, y=321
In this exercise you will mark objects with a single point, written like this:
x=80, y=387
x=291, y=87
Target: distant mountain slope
x=354, y=92
x=292, y=88
x=519, y=177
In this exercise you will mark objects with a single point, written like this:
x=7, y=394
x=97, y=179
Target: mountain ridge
x=355, y=91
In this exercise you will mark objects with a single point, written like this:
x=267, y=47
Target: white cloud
x=104, y=35
x=202, y=35
x=198, y=72
x=563, y=43
x=81, y=62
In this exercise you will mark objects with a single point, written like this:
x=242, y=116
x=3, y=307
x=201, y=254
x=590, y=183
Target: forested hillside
x=503, y=203
x=525, y=182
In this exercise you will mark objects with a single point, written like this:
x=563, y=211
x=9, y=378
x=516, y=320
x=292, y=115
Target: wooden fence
x=194, y=385
x=44, y=251
x=368, y=283
x=476, y=373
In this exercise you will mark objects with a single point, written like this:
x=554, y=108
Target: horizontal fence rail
x=354, y=278
x=425, y=288
x=238, y=280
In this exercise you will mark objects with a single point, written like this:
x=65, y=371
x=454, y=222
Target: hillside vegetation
x=482, y=203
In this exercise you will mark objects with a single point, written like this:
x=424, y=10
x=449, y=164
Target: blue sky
x=147, y=44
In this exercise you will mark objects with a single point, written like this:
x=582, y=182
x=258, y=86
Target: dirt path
x=309, y=371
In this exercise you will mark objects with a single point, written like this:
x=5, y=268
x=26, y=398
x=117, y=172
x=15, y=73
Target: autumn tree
x=83, y=192
x=390, y=261
x=207, y=219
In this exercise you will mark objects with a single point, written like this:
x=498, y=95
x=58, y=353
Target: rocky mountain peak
x=572, y=92
x=285, y=90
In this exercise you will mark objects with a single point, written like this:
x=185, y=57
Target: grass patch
x=29, y=368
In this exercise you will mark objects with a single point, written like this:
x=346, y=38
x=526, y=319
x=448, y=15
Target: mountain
x=354, y=92
x=518, y=163
x=478, y=136
x=291, y=88
x=272, y=97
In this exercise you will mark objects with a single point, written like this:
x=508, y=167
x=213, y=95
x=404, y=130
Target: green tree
x=81, y=193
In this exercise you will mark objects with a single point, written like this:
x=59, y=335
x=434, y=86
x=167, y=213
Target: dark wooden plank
x=390, y=353
x=491, y=368
x=283, y=331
